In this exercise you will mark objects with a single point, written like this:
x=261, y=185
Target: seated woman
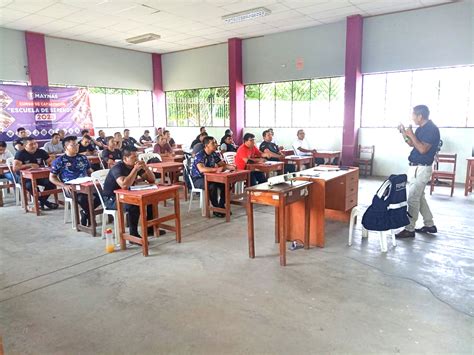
x=111, y=154
x=163, y=147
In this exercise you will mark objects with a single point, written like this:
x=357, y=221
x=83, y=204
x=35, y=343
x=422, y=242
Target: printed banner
x=43, y=110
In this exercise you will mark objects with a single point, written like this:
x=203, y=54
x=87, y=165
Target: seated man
x=146, y=140
x=227, y=132
x=54, y=146
x=128, y=141
x=32, y=157
x=199, y=146
x=123, y=175
x=86, y=147
x=197, y=140
x=248, y=153
x=302, y=147
x=163, y=147
x=101, y=141
x=71, y=166
x=62, y=134
x=273, y=151
x=19, y=144
x=4, y=155
x=170, y=140
x=111, y=153
x=118, y=140
x=228, y=144
x=208, y=161
x=85, y=132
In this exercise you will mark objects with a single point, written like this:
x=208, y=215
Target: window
x=300, y=103
x=198, y=107
x=388, y=98
x=121, y=107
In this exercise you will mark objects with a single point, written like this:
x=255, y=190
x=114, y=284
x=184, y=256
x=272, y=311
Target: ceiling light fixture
x=143, y=38
x=246, y=15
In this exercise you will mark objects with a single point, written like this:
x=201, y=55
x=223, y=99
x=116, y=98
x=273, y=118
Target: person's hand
x=231, y=167
x=220, y=169
x=409, y=132
x=34, y=166
x=67, y=188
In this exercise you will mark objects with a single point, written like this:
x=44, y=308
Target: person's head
x=101, y=134
x=31, y=145
x=202, y=129
x=146, y=133
x=210, y=144
x=229, y=132
x=21, y=132
x=271, y=131
x=61, y=133
x=55, y=138
x=167, y=134
x=267, y=135
x=249, y=140
x=159, y=131
x=3, y=147
x=130, y=156
x=111, y=143
x=162, y=140
x=228, y=139
x=86, y=140
x=126, y=133
x=70, y=145
x=300, y=134
x=118, y=136
x=421, y=113
x=84, y=132
x=202, y=136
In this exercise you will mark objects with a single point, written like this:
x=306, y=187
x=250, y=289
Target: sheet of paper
x=143, y=187
x=80, y=180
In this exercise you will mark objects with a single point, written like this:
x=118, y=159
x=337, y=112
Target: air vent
x=143, y=38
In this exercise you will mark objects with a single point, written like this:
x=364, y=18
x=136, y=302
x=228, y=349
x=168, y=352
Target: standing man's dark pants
x=133, y=213
x=214, y=187
x=257, y=177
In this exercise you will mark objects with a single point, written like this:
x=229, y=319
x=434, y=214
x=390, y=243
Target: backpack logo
x=400, y=186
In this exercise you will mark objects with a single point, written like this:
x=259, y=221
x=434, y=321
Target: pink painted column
x=236, y=89
x=36, y=55
x=159, y=103
x=353, y=89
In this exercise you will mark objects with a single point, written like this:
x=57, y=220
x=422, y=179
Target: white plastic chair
x=149, y=150
x=229, y=157
x=358, y=211
x=147, y=156
x=17, y=183
x=98, y=178
x=193, y=190
x=69, y=205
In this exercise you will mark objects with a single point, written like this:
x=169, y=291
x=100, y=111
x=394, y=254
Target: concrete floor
x=60, y=293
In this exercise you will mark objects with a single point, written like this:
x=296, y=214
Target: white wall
x=79, y=63
x=273, y=57
x=391, y=152
x=196, y=68
x=13, y=59
x=430, y=37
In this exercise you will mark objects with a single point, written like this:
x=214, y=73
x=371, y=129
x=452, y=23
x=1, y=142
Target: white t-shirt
x=53, y=148
x=6, y=155
x=301, y=144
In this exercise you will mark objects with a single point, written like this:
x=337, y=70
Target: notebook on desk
x=143, y=187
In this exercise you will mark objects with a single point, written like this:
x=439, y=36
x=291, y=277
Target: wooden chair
x=365, y=159
x=446, y=176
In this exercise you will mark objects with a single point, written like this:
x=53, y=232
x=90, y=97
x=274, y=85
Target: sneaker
x=218, y=215
x=162, y=232
x=405, y=234
x=426, y=229
x=51, y=205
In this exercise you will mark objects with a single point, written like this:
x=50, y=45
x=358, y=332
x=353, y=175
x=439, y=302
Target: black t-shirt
x=144, y=139
x=87, y=148
x=20, y=141
x=39, y=157
x=118, y=170
x=272, y=147
x=102, y=140
x=129, y=142
x=196, y=141
x=428, y=133
x=114, y=155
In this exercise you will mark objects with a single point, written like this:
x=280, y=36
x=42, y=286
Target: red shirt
x=245, y=152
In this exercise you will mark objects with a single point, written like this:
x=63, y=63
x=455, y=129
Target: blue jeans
x=7, y=176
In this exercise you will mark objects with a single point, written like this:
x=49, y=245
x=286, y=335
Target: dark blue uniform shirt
x=69, y=168
x=428, y=133
x=209, y=161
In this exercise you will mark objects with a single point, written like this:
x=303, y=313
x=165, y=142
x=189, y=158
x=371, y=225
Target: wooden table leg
x=468, y=177
x=143, y=222
x=34, y=188
x=156, y=227
x=121, y=223
x=250, y=231
x=206, y=199
x=306, y=222
x=319, y=203
x=277, y=225
x=25, y=192
x=227, y=200
x=90, y=202
x=281, y=230
x=177, y=213
x=76, y=207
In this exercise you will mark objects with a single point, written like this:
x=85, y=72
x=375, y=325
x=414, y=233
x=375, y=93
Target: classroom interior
x=347, y=72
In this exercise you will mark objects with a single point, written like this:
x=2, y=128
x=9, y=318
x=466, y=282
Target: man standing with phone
x=425, y=141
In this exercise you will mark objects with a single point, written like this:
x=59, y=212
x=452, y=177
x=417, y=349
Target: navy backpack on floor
x=389, y=206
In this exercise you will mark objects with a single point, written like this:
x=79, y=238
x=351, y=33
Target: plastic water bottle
x=109, y=241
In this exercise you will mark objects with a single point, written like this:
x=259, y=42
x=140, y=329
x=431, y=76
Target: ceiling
x=181, y=24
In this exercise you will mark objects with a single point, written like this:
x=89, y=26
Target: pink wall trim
x=159, y=104
x=353, y=89
x=236, y=89
x=36, y=55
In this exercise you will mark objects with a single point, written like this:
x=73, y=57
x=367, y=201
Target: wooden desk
x=173, y=170
x=469, y=176
x=280, y=196
x=178, y=151
x=142, y=199
x=299, y=161
x=329, y=154
x=267, y=167
x=332, y=195
x=227, y=179
x=34, y=175
x=93, y=159
x=287, y=152
x=175, y=158
x=88, y=189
